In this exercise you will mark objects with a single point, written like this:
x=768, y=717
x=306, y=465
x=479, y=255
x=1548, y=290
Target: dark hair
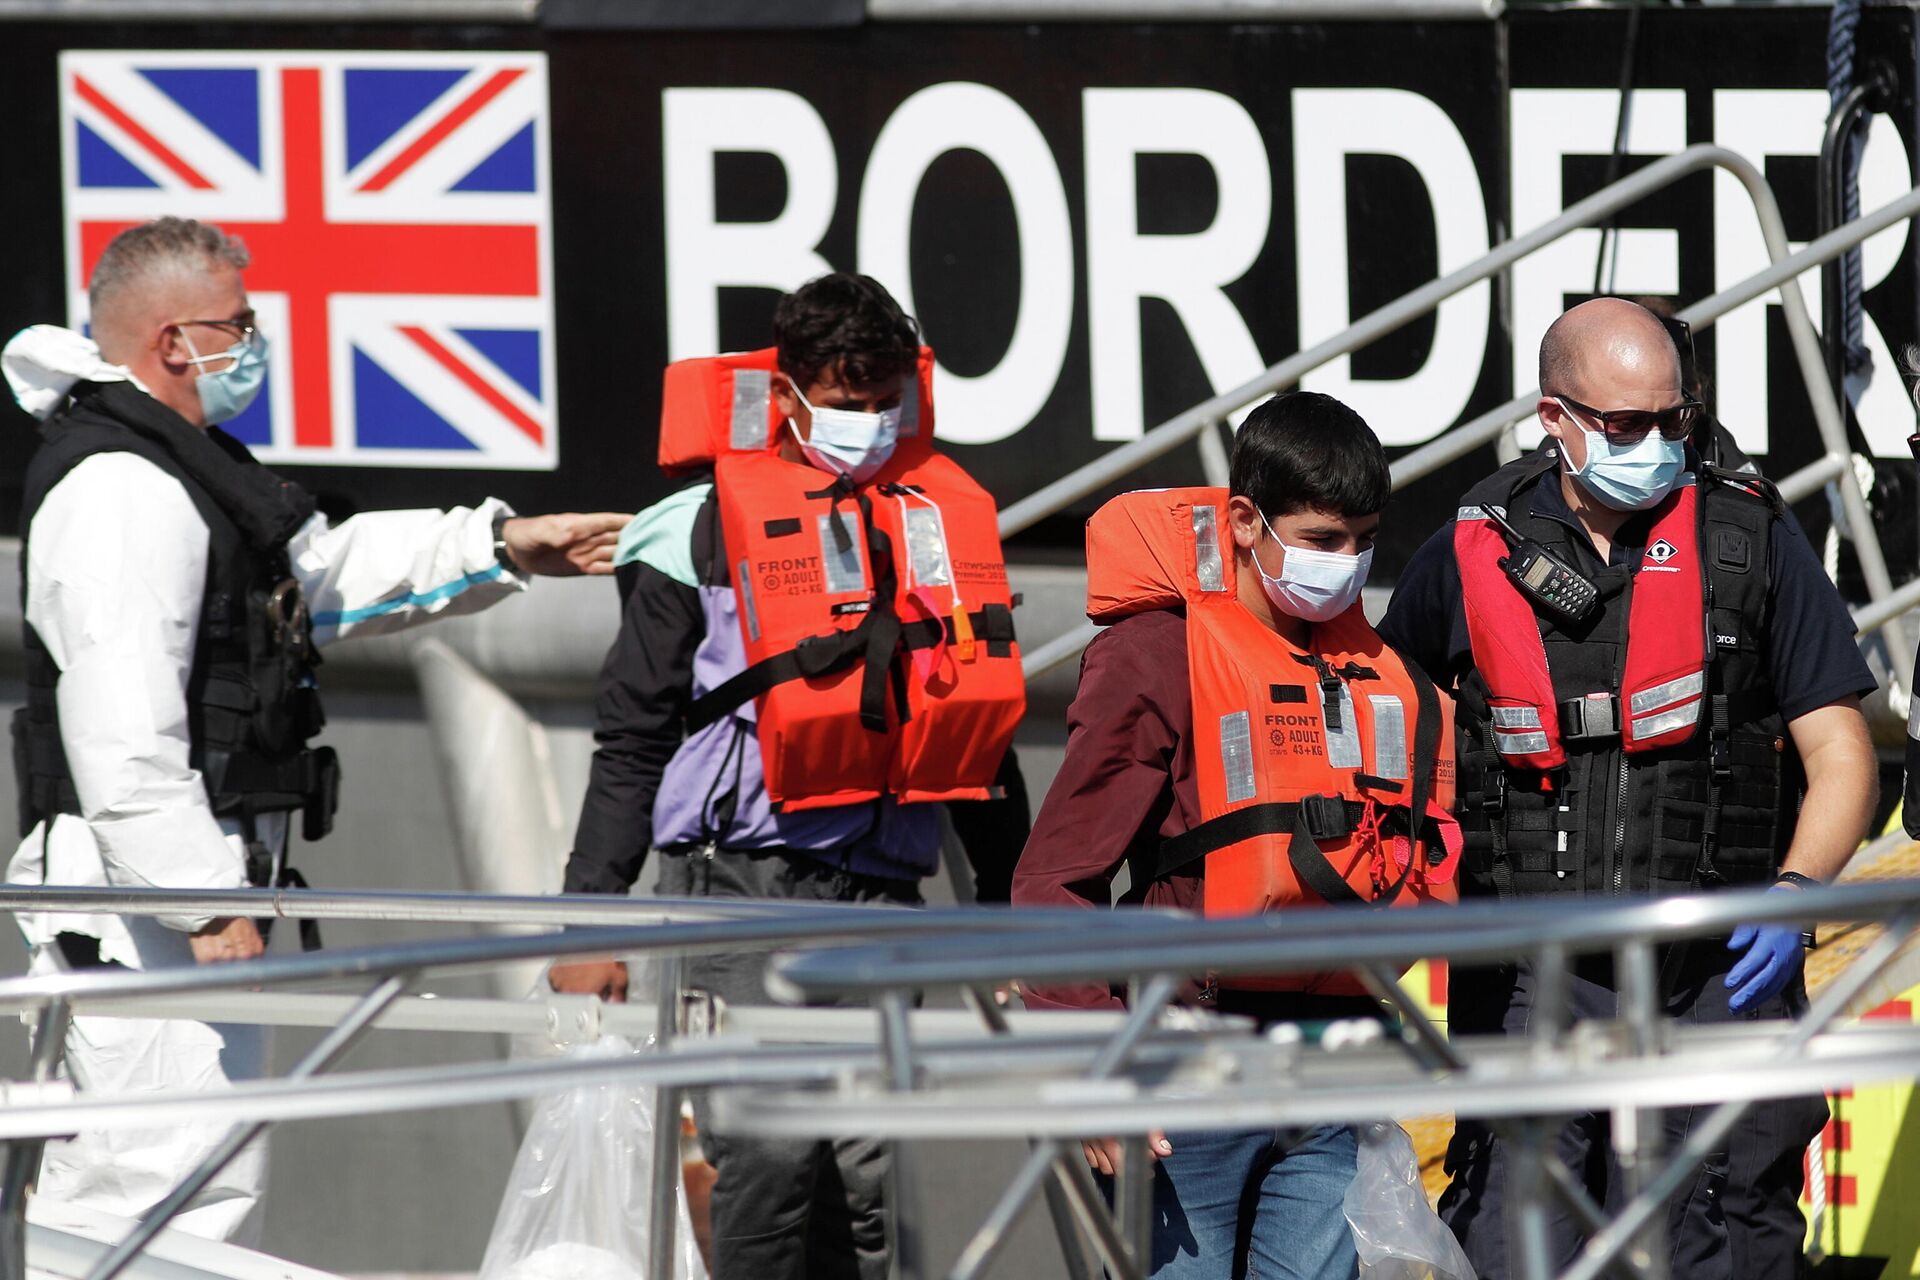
x=844, y=321
x=1303, y=449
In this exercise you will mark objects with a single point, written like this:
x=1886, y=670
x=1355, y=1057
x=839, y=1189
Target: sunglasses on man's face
x=1631, y=426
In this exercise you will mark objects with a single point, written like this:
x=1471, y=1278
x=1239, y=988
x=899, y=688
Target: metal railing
x=391, y=969
x=1047, y=1080
x=1203, y=422
x=1632, y=1069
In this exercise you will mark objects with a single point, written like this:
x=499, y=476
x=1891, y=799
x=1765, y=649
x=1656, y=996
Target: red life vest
x=877, y=618
x=1665, y=681
x=1309, y=762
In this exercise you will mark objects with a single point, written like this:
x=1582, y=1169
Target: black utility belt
x=307, y=781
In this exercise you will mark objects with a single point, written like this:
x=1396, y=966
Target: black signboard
x=1098, y=225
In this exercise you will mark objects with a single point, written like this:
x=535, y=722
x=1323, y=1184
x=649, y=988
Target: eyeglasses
x=1631, y=426
x=247, y=332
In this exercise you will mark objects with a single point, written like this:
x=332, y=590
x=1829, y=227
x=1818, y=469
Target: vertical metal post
x=1549, y=1000
x=896, y=1042
x=22, y=1160
x=664, y=1191
x=1527, y=1189
x=1215, y=464
x=1134, y=1190
x=1637, y=1133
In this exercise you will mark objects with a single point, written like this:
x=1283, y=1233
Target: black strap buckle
x=1597, y=715
x=1493, y=791
x=816, y=655
x=1325, y=817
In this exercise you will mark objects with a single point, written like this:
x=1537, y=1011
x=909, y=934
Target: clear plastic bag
x=1395, y=1230
x=577, y=1202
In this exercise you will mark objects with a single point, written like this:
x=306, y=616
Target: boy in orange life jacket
x=1241, y=675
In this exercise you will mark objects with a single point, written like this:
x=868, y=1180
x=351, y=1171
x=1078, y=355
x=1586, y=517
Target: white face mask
x=846, y=442
x=1314, y=585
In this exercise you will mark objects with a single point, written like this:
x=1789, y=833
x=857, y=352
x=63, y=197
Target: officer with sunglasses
x=1659, y=693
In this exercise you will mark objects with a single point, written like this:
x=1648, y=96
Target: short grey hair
x=175, y=247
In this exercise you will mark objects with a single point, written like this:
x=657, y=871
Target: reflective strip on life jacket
x=1664, y=685
x=714, y=405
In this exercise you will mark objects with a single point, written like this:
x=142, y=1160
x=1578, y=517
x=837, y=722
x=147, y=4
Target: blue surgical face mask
x=225, y=395
x=1633, y=478
x=847, y=442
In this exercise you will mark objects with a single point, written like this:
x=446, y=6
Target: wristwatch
x=1798, y=881
x=500, y=551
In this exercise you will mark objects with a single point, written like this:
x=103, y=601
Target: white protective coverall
x=117, y=563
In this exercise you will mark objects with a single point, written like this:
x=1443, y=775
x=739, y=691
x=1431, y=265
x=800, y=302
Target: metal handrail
x=1178, y=10
x=575, y=909
x=1332, y=938
x=1178, y=430
x=1491, y=425
x=1459, y=441
x=453, y=954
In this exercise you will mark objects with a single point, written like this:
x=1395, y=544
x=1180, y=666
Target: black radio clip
x=1553, y=588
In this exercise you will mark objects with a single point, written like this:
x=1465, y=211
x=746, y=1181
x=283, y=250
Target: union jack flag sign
x=397, y=208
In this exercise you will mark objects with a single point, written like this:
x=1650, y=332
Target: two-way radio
x=1552, y=587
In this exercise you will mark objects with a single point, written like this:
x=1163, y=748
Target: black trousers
x=784, y=1208
x=1737, y=1218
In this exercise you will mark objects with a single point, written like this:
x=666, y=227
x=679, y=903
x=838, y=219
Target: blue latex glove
x=1774, y=955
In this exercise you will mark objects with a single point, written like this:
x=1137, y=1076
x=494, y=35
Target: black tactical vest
x=251, y=702
x=1717, y=810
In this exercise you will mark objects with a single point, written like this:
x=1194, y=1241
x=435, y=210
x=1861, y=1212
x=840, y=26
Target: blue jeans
x=1260, y=1204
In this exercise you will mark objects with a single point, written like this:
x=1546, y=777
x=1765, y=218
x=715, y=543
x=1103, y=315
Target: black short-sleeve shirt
x=1811, y=647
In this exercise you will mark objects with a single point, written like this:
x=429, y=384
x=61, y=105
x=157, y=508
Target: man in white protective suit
x=175, y=591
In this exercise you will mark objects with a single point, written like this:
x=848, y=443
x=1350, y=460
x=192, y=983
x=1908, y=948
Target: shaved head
x=147, y=273
x=1605, y=339
x=166, y=300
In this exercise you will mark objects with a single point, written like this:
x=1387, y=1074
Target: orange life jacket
x=1308, y=761
x=877, y=618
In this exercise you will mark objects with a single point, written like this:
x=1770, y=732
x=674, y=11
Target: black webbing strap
x=1426, y=758
x=1280, y=818
x=1720, y=756
x=882, y=623
x=821, y=655
x=835, y=651
x=992, y=626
